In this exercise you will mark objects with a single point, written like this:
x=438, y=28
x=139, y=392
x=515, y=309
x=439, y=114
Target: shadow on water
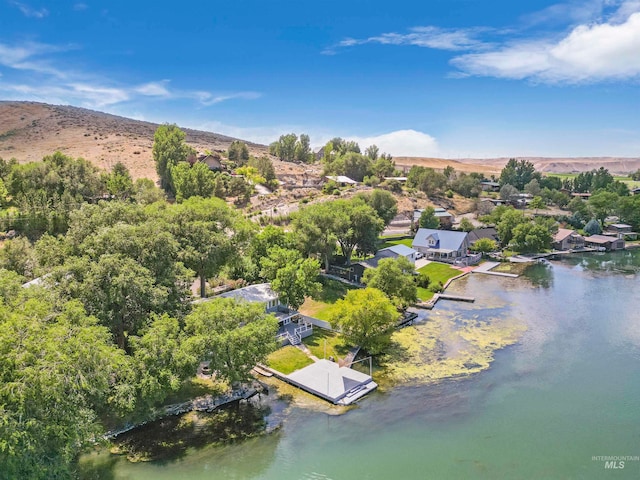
x=168, y=439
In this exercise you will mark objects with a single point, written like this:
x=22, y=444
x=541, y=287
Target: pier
x=486, y=268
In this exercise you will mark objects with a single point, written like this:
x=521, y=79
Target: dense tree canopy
x=518, y=173
x=169, y=149
x=233, y=335
x=366, y=318
x=394, y=277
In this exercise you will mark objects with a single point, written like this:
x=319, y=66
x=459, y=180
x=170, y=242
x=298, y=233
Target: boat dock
x=443, y=296
x=486, y=268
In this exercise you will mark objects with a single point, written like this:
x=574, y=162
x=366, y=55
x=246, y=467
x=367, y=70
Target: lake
x=567, y=392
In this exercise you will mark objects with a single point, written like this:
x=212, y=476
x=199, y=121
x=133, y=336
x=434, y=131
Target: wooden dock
x=442, y=296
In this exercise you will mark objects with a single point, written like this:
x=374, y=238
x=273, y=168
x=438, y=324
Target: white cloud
x=600, y=41
x=402, y=143
x=429, y=36
x=79, y=7
x=589, y=53
x=29, y=11
x=34, y=75
x=153, y=89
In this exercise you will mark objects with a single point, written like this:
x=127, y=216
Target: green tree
x=269, y=238
x=357, y=225
x=355, y=166
x=383, y=202
x=119, y=182
x=233, y=335
x=383, y=167
x=533, y=188
x=428, y=218
x=265, y=169
x=238, y=153
x=4, y=194
x=116, y=290
x=285, y=147
x=508, y=222
x=18, y=256
x=484, y=246
x=518, y=173
x=210, y=235
x=291, y=276
x=372, y=152
x=314, y=228
x=192, y=181
x=466, y=225
x=603, y=204
x=303, y=151
x=146, y=192
x=394, y=277
x=508, y=192
x=531, y=237
x=537, y=204
x=160, y=360
x=629, y=209
x=169, y=149
x=366, y=318
x=593, y=227
x=57, y=380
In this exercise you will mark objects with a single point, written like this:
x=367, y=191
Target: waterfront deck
x=328, y=380
x=486, y=268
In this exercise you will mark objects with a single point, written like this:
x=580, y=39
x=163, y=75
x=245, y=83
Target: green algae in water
x=445, y=347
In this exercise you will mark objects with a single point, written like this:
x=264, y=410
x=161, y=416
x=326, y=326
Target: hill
x=29, y=131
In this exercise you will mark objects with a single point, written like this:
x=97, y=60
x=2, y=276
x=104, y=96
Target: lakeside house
x=567, y=239
x=604, y=241
x=355, y=271
x=489, y=232
x=442, y=245
x=622, y=230
x=293, y=326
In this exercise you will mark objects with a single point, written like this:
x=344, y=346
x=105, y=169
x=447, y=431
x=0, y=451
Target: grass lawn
x=437, y=272
x=335, y=344
x=288, y=359
x=390, y=243
x=319, y=305
x=197, y=387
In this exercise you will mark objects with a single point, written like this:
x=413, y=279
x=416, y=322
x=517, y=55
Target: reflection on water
x=568, y=390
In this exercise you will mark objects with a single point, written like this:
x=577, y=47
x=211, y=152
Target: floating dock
x=486, y=268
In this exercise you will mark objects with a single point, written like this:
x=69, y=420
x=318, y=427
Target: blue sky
x=448, y=78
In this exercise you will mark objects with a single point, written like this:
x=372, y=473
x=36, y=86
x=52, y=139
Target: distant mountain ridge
x=31, y=130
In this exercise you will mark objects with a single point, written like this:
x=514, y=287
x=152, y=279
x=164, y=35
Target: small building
x=583, y=196
x=620, y=228
x=441, y=245
x=355, y=272
x=213, y=161
x=397, y=179
x=342, y=180
x=567, y=239
x=293, y=326
x=488, y=186
x=495, y=201
x=490, y=232
x=635, y=191
x=444, y=217
x=604, y=241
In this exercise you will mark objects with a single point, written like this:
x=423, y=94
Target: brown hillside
x=488, y=166
x=29, y=131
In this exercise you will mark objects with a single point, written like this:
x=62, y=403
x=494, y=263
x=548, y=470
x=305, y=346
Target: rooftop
x=328, y=380
x=342, y=179
x=399, y=249
x=253, y=293
x=446, y=240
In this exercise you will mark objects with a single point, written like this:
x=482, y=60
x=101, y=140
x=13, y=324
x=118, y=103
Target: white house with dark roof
x=293, y=326
x=441, y=245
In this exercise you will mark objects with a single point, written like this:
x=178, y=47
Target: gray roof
x=253, y=293
x=445, y=239
x=476, y=234
x=399, y=249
